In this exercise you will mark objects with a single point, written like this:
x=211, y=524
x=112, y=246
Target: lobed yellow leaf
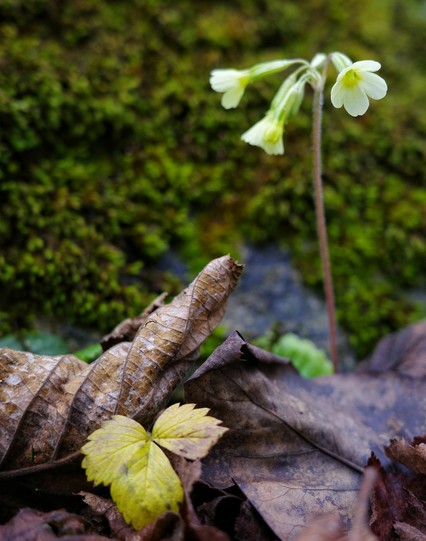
x=143, y=483
x=186, y=431
x=148, y=488
x=116, y=443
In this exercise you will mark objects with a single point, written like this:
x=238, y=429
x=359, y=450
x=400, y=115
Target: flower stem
x=321, y=222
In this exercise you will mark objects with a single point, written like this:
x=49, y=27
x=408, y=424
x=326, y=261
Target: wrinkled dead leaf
x=230, y=511
x=398, y=503
x=189, y=473
x=104, y=507
x=329, y=527
x=49, y=405
x=30, y=525
x=403, y=352
x=413, y=456
x=296, y=447
x=167, y=527
x=408, y=533
x=127, y=329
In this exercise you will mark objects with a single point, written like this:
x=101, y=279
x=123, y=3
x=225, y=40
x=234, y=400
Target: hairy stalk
x=321, y=223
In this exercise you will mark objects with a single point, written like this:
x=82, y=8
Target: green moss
x=113, y=148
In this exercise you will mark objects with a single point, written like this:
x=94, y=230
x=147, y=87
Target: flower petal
x=254, y=136
x=340, y=61
x=222, y=80
x=257, y=136
x=373, y=85
x=355, y=101
x=232, y=97
x=366, y=65
x=338, y=94
x=318, y=60
x=274, y=149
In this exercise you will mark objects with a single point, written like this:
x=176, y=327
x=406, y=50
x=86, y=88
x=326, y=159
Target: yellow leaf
x=143, y=483
x=149, y=488
x=112, y=446
x=186, y=431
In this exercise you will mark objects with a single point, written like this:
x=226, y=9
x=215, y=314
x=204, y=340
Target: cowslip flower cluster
x=356, y=83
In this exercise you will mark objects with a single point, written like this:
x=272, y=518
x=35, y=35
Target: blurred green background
x=113, y=150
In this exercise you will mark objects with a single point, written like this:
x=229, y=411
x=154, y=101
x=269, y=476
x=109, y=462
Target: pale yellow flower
x=267, y=134
x=232, y=83
x=355, y=84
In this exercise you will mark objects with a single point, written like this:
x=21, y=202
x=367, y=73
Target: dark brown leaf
x=329, y=527
x=412, y=456
x=106, y=508
x=408, y=533
x=403, y=352
x=49, y=405
x=323, y=528
x=397, y=497
x=189, y=473
x=168, y=527
x=297, y=447
x=249, y=525
x=30, y=525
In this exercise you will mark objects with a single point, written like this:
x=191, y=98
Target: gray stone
x=271, y=295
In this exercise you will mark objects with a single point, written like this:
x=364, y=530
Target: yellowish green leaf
x=149, y=488
x=143, y=483
x=186, y=431
x=111, y=447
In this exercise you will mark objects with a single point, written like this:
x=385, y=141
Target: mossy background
x=113, y=149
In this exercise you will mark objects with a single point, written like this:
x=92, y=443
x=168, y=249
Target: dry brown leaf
x=296, y=447
x=323, y=528
x=403, y=352
x=49, y=405
x=398, y=503
x=408, y=533
x=168, y=527
x=412, y=456
x=30, y=525
x=329, y=527
x=127, y=329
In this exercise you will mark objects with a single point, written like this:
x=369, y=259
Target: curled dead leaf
x=413, y=456
x=408, y=533
x=30, y=524
x=127, y=329
x=49, y=405
x=323, y=528
x=403, y=352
